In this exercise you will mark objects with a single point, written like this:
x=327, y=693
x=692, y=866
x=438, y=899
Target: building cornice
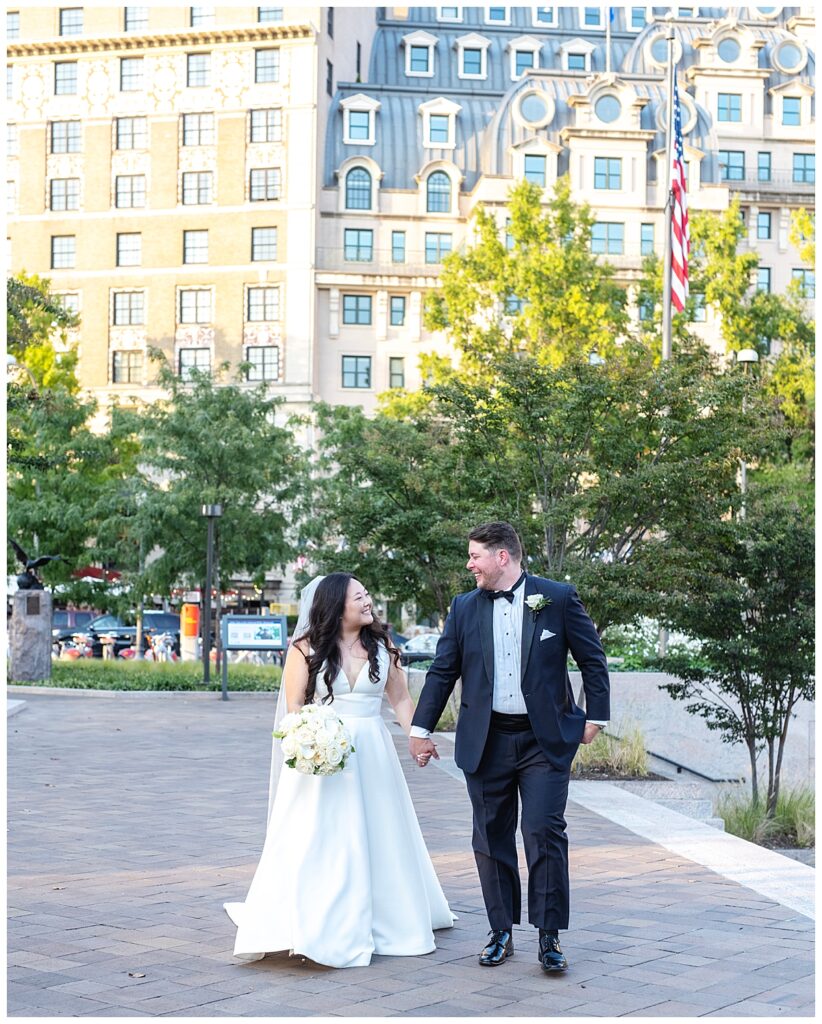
x=699, y=71
x=162, y=40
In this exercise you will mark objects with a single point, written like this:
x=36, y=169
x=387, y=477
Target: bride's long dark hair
x=323, y=634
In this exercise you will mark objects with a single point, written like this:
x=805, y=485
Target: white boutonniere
x=536, y=602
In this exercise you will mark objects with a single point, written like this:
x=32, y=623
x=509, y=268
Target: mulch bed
x=608, y=775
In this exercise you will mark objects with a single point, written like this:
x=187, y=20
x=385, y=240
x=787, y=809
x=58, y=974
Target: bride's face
x=357, y=611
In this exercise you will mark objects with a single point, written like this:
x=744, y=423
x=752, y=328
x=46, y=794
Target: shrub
x=793, y=824
x=625, y=755
x=96, y=674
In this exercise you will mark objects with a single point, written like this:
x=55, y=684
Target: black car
x=126, y=636
x=69, y=620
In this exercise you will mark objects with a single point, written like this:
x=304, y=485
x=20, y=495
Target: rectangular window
x=126, y=367
x=12, y=139
x=544, y=15
x=198, y=70
x=129, y=249
x=807, y=281
x=269, y=14
x=608, y=238
x=729, y=106
x=329, y=24
x=9, y=82
x=763, y=279
x=202, y=17
x=136, y=19
x=804, y=168
x=448, y=14
x=263, y=304
x=65, y=194
x=65, y=78
x=129, y=309
x=263, y=362
x=359, y=245
x=194, y=361
x=439, y=129
x=197, y=188
x=130, y=190
x=357, y=310
x=437, y=246
x=359, y=60
x=699, y=312
x=264, y=183
x=420, y=59
x=359, y=125
x=198, y=129
x=646, y=312
x=267, y=125
x=329, y=78
x=65, y=137
x=11, y=197
x=498, y=14
x=12, y=25
x=263, y=243
x=535, y=169
x=398, y=247
x=791, y=110
x=267, y=65
x=607, y=172
x=63, y=252
x=195, y=306
x=731, y=165
x=638, y=17
x=763, y=225
x=71, y=21
x=472, y=62
x=70, y=301
x=131, y=74
x=397, y=311
x=509, y=238
x=576, y=62
x=763, y=166
x=131, y=133
x=523, y=60
x=195, y=246
x=593, y=17
x=647, y=240
x=356, y=371
x=396, y=372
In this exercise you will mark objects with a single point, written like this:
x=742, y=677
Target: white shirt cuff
x=593, y=721
x=419, y=733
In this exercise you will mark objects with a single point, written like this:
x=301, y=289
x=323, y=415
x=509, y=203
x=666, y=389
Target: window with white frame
x=63, y=252
x=65, y=78
x=419, y=54
x=267, y=65
x=358, y=125
x=591, y=17
x=545, y=16
x=359, y=118
x=729, y=107
x=267, y=14
x=197, y=188
x=129, y=191
x=263, y=244
x=524, y=53
x=637, y=18
x=439, y=129
x=66, y=137
x=64, y=194
x=131, y=74
x=135, y=19
x=128, y=309
x=534, y=168
x=449, y=14
x=198, y=129
x=472, y=56
x=439, y=123
x=266, y=125
x=438, y=192
x=201, y=17
x=263, y=304
x=71, y=21
x=358, y=183
x=193, y=361
x=12, y=24
x=607, y=172
x=131, y=133
x=198, y=70
x=791, y=110
x=129, y=249
x=263, y=362
x=497, y=15
x=195, y=246
x=608, y=237
x=127, y=367
x=437, y=246
x=70, y=301
x=195, y=306
x=264, y=184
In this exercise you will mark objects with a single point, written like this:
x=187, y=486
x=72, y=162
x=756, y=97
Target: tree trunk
x=773, y=784
x=751, y=745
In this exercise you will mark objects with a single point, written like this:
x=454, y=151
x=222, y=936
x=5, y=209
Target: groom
x=518, y=728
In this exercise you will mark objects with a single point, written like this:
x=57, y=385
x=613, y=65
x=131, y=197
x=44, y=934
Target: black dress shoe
x=500, y=947
x=550, y=955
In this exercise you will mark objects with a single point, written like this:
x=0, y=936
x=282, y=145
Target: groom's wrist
x=417, y=732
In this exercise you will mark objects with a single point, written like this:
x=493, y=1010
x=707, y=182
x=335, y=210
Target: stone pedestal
x=30, y=637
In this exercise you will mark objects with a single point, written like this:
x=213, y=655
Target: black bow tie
x=492, y=595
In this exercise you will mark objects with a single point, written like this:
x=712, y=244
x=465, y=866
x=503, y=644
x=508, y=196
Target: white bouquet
x=315, y=742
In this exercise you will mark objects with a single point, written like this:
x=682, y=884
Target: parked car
x=419, y=648
x=125, y=636
x=71, y=619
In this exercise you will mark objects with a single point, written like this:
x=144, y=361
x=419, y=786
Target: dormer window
x=439, y=118
x=637, y=18
x=472, y=63
x=592, y=17
x=472, y=52
x=497, y=16
x=359, y=114
x=534, y=168
x=791, y=110
x=575, y=54
x=439, y=129
x=545, y=16
x=419, y=54
x=449, y=14
x=525, y=52
x=577, y=62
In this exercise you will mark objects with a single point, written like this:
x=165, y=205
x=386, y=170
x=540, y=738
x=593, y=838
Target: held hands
x=422, y=750
x=591, y=732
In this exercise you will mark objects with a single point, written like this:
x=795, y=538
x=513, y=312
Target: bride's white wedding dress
x=344, y=872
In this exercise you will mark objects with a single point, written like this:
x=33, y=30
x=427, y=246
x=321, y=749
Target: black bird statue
x=28, y=580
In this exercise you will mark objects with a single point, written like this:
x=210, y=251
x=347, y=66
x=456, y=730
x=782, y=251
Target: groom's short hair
x=496, y=536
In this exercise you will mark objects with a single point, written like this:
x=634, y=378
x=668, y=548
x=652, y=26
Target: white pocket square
x=546, y=634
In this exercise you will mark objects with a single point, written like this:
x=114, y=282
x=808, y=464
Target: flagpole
x=608, y=40
x=669, y=204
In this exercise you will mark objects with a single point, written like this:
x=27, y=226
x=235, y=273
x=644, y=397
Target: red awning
x=95, y=572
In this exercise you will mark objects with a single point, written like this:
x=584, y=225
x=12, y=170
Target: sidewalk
x=133, y=819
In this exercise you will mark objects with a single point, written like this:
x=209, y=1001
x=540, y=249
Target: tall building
x=163, y=173
x=462, y=102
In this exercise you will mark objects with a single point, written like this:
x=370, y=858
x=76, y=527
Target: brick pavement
x=132, y=819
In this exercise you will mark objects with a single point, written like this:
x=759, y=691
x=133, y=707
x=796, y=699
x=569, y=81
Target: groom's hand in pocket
x=422, y=750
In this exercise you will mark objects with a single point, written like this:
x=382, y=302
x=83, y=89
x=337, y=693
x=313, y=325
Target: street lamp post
x=212, y=513
x=748, y=357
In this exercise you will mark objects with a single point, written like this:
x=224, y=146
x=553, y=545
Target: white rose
x=304, y=735
x=289, y=722
x=305, y=750
x=289, y=746
x=334, y=755
x=304, y=767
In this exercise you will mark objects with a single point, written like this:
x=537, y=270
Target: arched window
x=358, y=189
x=439, y=193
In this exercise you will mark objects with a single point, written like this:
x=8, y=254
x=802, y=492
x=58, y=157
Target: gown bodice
x=364, y=699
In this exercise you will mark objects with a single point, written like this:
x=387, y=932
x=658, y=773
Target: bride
x=344, y=871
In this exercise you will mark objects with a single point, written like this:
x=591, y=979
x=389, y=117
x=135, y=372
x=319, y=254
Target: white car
x=419, y=648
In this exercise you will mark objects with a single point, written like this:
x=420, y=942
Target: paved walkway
x=133, y=818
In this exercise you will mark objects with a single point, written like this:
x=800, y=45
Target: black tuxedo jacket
x=466, y=650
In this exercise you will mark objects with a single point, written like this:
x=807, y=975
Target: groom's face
x=487, y=566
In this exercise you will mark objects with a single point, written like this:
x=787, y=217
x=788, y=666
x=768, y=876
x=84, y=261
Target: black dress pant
x=514, y=768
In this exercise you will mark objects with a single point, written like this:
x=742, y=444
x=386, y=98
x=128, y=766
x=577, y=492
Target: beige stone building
x=163, y=173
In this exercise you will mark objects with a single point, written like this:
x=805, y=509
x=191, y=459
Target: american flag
x=681, y=243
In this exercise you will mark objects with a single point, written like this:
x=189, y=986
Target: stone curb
x=62, y=690
x=14, y=707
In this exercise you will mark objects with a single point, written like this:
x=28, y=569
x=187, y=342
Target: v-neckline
x=352, y=686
